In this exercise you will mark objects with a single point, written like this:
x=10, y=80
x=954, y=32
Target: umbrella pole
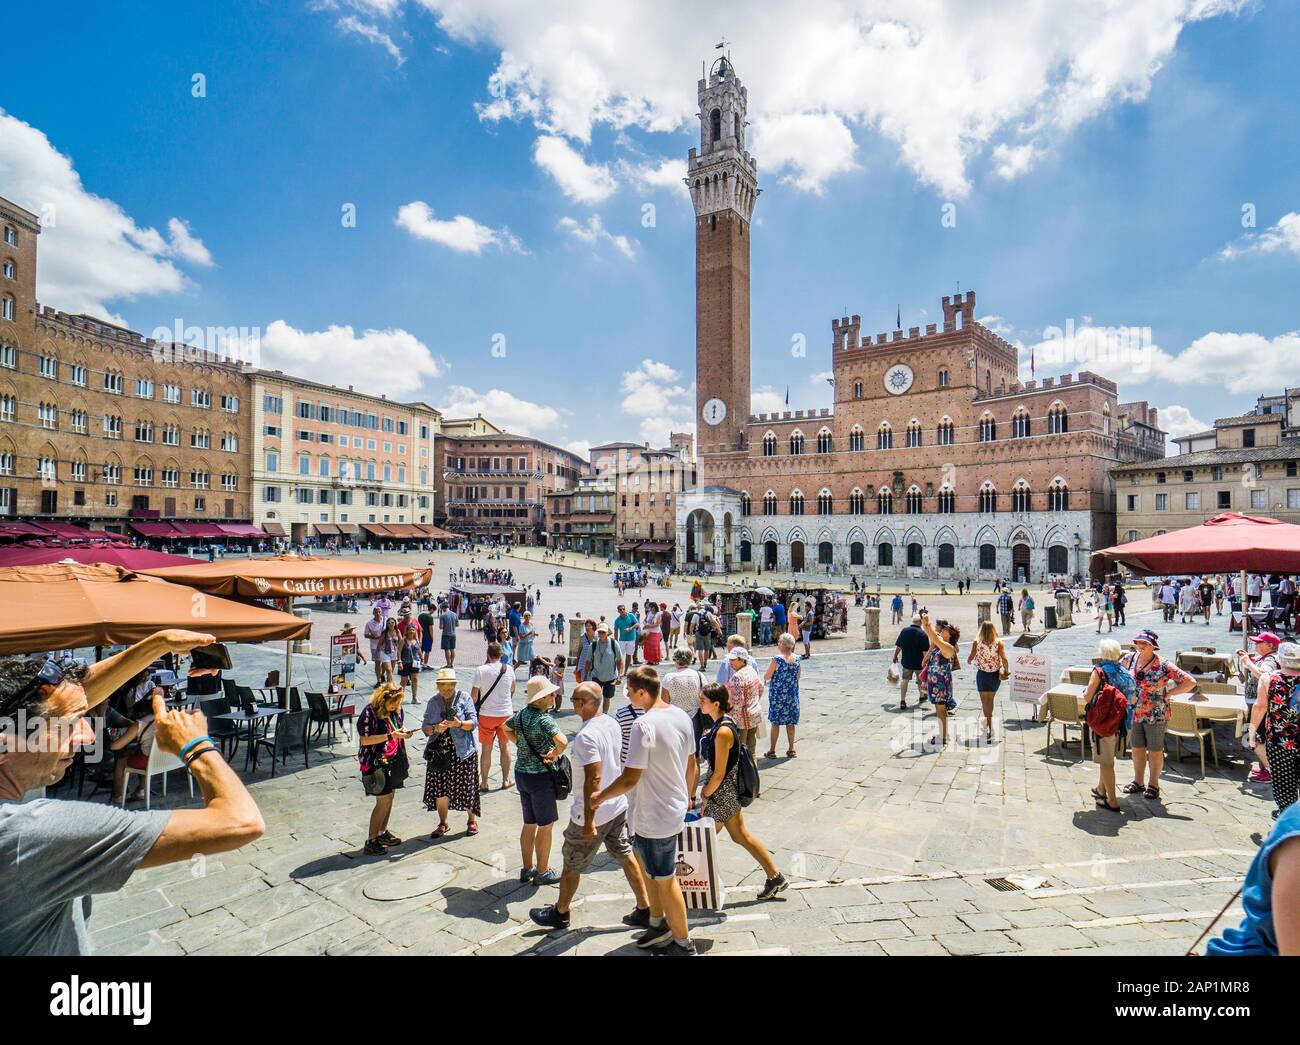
x=288, y=654
x=1245, y=620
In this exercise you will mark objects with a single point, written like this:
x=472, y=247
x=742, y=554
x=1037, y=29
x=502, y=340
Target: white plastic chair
x=160, y=764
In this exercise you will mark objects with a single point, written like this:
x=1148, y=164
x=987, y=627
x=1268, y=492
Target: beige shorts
x=1103, y=749
x=578, y=852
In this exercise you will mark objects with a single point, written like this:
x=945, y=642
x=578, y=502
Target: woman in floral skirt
x=782, y=680
x=451, y=777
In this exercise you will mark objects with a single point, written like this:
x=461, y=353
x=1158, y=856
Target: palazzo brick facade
x=935, y=460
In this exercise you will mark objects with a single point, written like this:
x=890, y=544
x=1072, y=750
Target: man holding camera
x=54, y=855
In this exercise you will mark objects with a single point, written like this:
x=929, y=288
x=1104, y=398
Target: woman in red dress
x=651, y=635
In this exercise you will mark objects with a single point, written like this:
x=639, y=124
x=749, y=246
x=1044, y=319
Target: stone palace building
x=935, y=461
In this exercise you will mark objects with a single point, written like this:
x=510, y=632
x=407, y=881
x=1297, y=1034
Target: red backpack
x=1106, y=710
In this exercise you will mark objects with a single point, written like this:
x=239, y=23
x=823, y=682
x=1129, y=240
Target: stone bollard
x=873, y=628
x=302, y=645
x=1064, y=610
x=983, y=611
x=745, y=628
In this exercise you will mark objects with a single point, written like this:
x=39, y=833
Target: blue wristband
x=193, y=743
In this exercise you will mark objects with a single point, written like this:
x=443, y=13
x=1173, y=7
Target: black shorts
x=449, y=641
x=537, y=797
x=607, y=689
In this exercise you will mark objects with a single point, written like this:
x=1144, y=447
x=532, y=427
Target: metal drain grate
x=1004, y=885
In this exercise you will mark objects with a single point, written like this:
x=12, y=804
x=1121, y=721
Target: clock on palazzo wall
x=714, y=411
x=898, y=379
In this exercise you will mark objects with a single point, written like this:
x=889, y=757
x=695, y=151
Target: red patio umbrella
x=113, y=555
x=1225, y=544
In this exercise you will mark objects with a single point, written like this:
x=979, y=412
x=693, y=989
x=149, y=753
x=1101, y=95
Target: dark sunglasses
x=54, y=671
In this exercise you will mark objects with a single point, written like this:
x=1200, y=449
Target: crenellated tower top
x=721, y=174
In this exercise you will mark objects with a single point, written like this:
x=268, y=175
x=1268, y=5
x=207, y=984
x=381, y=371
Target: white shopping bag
x=697, y=866
x=891, y=673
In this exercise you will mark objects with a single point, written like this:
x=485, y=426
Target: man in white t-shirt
x=492, y=690
x=595, y=750
x=661, y=754
x=765, y=618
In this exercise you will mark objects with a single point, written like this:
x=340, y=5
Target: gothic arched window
x=715, y=125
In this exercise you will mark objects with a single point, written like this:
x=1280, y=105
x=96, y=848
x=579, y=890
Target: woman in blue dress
x=523, y=653
x=782, y=680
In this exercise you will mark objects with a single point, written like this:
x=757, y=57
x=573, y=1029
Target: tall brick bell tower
x=723, y=182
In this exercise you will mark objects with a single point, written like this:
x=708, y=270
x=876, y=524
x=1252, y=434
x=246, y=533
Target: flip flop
x=440, y=830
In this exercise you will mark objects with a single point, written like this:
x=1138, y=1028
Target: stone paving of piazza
x=888, y=843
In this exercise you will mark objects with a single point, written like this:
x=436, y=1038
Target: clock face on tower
x=898, y=379
x=714, y=411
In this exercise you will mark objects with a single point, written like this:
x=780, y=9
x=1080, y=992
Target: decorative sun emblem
x=898, y=379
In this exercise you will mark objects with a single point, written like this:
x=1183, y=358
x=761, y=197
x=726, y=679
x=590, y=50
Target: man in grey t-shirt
x=447, y=621
x=55, y=855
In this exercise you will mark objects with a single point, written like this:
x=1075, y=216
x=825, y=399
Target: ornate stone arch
x=946, y=536
x=884, y=535
x=987, y=535
x=915, y=536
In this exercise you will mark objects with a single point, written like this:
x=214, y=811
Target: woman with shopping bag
x=719, y=755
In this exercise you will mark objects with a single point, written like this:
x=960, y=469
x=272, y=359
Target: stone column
x=1064, y=610
x=983, y=611
x=873, y=628
x=302, y=645
x=745, y=627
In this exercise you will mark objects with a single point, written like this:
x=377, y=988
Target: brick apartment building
x=582, y=517
x=1249, y=463
x=495, y=484
x=935, y=461
x=100, y=425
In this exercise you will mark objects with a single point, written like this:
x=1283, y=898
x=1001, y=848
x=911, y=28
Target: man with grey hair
x=596, y=752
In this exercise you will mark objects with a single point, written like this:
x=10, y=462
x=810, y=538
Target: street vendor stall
x=287, y=577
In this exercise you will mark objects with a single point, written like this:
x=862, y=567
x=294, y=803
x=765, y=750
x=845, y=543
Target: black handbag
x=561, y=769
x=440, y=751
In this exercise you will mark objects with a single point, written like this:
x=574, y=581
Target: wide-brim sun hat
x=445, y=675
x=539, y=688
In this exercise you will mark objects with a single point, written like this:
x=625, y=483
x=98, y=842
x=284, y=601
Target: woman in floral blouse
x=381, y=749
x=1281, y=725
x=1156, y=680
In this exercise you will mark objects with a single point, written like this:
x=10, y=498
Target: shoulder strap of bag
x=1191, y=951
x=483, y=699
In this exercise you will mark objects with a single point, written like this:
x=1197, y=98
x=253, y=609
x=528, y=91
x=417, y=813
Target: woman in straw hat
x=451, y=776
x=538, y=743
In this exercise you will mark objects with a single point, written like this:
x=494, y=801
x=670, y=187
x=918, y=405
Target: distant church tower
x=723, y=182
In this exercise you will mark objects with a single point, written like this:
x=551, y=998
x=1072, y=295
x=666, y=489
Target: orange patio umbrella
x=292, y=576
x=69, y=605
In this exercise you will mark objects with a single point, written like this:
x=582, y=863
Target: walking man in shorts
x=597, y=763
x=660, y=754
x=911, y=645
x=492, y=690
x=447, y=621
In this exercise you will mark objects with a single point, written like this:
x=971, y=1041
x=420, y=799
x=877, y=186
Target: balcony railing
x=492, y=473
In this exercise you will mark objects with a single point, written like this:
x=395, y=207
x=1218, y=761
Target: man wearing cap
x=911, y=645
x=597, y=764
x=1264, y=662
x=538, y=743
x=1156, y=681
x=605, y=663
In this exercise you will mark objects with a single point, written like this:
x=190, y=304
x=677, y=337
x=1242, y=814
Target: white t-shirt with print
x=599, y=740
x=661, y=745
x=498, y=704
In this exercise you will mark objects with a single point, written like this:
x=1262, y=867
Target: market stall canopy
x=1225, y=544
x=52, y=531
x=110, y=554
x=294, y=576
x=69, y=606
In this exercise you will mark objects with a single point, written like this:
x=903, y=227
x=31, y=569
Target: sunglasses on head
x=55, y=670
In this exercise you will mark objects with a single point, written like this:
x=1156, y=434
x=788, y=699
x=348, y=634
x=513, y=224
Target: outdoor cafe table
x=260, y=715
x=1217, y=706
x=1208, y=663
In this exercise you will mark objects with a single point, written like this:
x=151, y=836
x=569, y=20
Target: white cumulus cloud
x=460, y=233
x=659, y=397
x=594, y=233
x=944, y=83
x=579, y=180
x=1284, y=237
x=1178, y=421
x=519, y=416
x=352, y=24
x=91, y=251
x=392, y=362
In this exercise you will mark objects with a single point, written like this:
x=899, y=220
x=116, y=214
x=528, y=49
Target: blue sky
x=500, y=160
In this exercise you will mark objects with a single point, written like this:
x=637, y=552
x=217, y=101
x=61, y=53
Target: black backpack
x=746, y=767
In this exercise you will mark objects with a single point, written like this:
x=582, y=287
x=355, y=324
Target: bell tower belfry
x=723, y=181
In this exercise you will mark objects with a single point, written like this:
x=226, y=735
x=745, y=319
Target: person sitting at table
x=1157, y=680
x=1111, y=671
x=1253, y=668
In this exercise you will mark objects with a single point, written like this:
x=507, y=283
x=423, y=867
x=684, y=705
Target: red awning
x=160, y=530
x=240, y=530
x=378, y=529
x=1225, y=544
x=273, y=528
x=199, y=531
